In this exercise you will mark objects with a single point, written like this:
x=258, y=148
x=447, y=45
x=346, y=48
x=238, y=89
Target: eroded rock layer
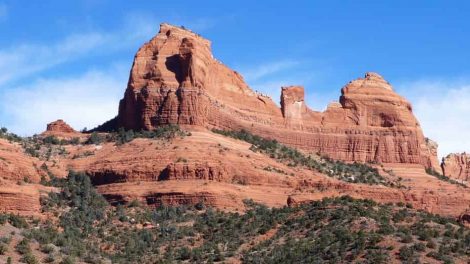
x=15, y=165
x=19, y=175
x=220, y=171
x=457, y=166
x=176, y=80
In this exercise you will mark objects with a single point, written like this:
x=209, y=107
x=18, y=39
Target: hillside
x=82, y=226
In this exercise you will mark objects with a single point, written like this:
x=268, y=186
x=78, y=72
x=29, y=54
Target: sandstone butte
x=59, y=126
x=175, y=80
x=457, y=166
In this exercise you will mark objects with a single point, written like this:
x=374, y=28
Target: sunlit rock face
x=175, y=80
x=457, y=166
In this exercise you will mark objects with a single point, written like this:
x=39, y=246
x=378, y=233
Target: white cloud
x=23, y=60
x=82, y=101
x=443, y=110
x=26, y=59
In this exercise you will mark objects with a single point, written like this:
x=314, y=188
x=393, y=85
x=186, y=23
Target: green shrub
x=184, y=253
x=51, y=140
x=75, y=141
x=68, y=260
x=49, y=259
x=29, y=258
x=407, y=253
x=18, y=221
x=3, y=218
x=95, y=139
x=134, y=203
x=48, y=248
x=162, y=132
x=441, y=177
x=9, y=136
x=23, y=246
x=3, y=249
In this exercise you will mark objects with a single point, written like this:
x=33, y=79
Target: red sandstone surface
x=20, y=175
x=61, y=130
x=175, y=80
x=457, y=166
x=222, y=171
x=59, y=126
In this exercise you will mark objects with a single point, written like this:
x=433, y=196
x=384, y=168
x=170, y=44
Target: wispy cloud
x=22, y=60
x=25, y=59
x=86, y=100
x=257, y=72
x=268, y=78
x=443, y=108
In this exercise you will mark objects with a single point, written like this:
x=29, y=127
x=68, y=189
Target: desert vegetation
x=83, y=227
x=123, y=136
x=9, y=136
x=442, y=177
x=349, y=172
x=46, y=147
x=162, y=132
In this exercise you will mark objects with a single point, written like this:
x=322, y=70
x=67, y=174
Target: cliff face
x=175, y=79
x=457, y=166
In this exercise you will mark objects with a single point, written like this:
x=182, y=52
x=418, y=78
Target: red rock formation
x=194, y=171
x=175, y=79
x=15, y=165
x=17, y=168
x=457, y=166
x=60, y=126
x=292, y=102
x=222, y=172
x=19, y=199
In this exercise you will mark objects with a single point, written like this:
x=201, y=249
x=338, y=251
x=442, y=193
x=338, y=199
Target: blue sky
x=71, y=59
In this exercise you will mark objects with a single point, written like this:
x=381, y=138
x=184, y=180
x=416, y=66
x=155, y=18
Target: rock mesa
x=175, y=80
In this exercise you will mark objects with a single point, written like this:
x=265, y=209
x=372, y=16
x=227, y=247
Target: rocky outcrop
x=15, y=165
x=194, y=171
x=19, y=199
x=180, y=198
x=176, y=80
x=60, y=126
x=222, y=172
x=457, y=166
x=19, y=175
x=293, y=102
